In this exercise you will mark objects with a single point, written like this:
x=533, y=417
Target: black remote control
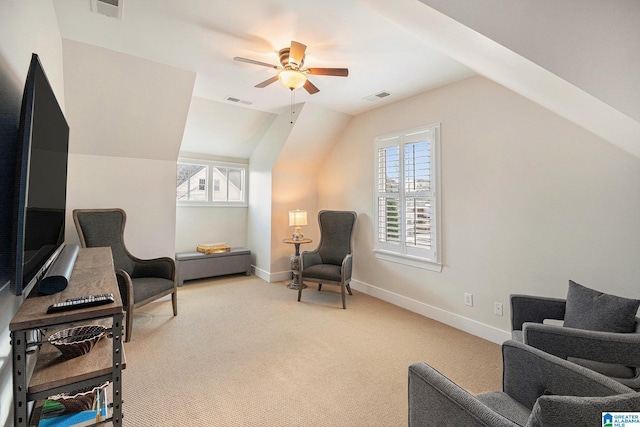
x=81, y=302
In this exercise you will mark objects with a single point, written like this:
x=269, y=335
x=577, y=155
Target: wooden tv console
x=93, y=274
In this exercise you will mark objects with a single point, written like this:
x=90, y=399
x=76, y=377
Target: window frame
x=212, y=165
x=401, y=252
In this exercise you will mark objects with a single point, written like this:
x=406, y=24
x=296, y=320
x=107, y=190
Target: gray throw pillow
x=596, y=311
x=563, y=411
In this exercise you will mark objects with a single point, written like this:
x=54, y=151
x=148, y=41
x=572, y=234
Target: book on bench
x=212, y=248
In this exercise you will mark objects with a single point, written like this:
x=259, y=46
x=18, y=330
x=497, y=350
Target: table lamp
x=296, y=219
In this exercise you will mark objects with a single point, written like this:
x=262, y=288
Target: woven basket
x=81, y=400
x=74, y=342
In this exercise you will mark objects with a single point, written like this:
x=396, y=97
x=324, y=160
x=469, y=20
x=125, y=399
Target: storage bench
x=197, y=265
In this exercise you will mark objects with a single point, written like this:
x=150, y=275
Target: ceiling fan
x=291, y=73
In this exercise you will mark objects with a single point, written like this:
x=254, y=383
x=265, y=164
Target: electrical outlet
x=497, y=308
x=468, y=299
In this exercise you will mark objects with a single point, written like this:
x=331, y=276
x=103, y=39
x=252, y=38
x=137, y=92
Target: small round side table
x=295, y=263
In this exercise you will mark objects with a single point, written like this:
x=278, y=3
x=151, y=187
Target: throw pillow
x=562, y=411
x=596, y=311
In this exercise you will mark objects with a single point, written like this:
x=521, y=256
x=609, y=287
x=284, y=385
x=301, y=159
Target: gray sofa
x=614, y=354
x=539, y=389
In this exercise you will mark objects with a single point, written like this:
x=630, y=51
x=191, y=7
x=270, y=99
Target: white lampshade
x=297, y=218
x=292, y=79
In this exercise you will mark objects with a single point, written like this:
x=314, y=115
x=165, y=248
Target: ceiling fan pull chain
x=293, y=99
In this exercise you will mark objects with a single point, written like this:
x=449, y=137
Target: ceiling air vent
x=377, y=96
x=238, y=101
x=111, y=8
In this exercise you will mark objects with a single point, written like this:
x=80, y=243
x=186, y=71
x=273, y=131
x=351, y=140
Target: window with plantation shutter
x=407, y=197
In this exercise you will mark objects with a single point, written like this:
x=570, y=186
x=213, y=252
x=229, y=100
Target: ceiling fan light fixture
x=292, y=79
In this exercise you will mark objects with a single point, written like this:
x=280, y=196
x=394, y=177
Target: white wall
x=136, y=185
x=26, y=27
x=591, y=43
x=259, y=220
x=195, y=225
x=127, y=117
x=223, y=129
x=529, y=201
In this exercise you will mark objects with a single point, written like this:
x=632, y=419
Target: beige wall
x=313, y=136
x=529, y=201
x=292, y=190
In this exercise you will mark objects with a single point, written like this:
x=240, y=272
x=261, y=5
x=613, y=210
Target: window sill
x=408, y=260
x=212, y=205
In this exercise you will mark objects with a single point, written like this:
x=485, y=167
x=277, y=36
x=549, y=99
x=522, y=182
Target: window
x=406, y=190
x=194, y=179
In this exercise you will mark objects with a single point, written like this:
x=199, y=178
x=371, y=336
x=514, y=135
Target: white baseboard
x=470, y=326
x=279, y=276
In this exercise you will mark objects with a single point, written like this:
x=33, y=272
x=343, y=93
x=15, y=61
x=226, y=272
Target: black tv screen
x=41, y=180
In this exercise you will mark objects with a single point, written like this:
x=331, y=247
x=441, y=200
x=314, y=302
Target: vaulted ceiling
x=402, y=47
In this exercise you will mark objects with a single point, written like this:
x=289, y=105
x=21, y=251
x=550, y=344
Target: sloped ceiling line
x=512, y=71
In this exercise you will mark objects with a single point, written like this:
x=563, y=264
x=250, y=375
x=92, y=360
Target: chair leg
x=300, y=286
x=174, y=301
x=349, y=289
x=319, y=286
x=344, y=299
x=129, y=325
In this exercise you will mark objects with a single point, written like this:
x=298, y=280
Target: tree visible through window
x=406, y=196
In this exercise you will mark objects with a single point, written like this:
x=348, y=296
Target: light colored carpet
x=244, y=352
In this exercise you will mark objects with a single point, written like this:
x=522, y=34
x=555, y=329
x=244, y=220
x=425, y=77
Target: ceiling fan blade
x=267, y=82
x=340, y=72
x=296, y=53
x=251, y=61
x=311, y=88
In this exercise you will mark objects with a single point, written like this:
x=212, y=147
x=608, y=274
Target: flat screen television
x=41, y=181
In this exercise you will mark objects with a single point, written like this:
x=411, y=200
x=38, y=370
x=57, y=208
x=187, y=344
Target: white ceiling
x=204, y=36
x=400, y=46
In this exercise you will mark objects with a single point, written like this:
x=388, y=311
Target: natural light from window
x=407, y=175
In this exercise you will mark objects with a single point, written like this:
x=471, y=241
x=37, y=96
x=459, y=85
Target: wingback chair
x=140, y=281
x=331, y=262
x=538, y=390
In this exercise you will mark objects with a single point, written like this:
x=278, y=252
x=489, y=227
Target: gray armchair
x=539, y=389
x=140, y=281
x=616, y=355
x=331, y=262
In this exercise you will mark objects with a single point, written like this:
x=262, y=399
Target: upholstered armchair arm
x=607, y=347
x=528, y=373
x=309, y=258
x=125, y=286
x=346, y=268
x=434, y=400
x=527, y=308
x=164, y=268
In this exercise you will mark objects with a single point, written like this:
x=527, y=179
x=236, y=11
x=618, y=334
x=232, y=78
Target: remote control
x=81, y=302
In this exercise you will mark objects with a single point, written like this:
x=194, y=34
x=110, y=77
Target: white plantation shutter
x=389, y=223
x=406, y=196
